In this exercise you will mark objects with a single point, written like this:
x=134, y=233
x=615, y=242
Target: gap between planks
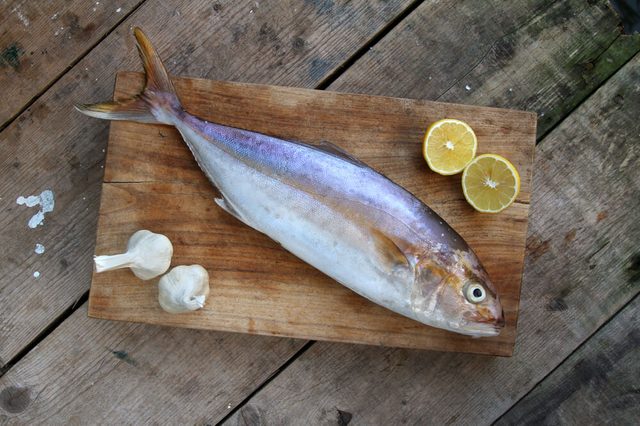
x=569, y=355
x=588, y=95
x=333, y=76
x=268, y=380
x=45, y=332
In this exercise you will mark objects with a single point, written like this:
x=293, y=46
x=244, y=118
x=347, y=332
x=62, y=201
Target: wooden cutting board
x=151, y=181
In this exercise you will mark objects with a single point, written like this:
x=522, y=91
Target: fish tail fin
x=157, y=103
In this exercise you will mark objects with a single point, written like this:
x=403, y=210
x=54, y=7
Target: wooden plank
x=597, y=384
x=39, y=40
x=260, y=288
x=580, y=269
x=106, y=372
x=50, y=146
x=547, y=60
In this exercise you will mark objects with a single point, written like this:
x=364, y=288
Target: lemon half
x=448, y=146
x=490, y=183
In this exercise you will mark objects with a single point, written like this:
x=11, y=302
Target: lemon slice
x=490, y=183
x=448, y=146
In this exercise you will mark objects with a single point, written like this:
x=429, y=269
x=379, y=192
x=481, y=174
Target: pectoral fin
x=391, y=255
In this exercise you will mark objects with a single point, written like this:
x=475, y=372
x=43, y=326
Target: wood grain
x=105, y=372
x=542, y=56
x=39, y=40
x=581, y=268
x=51, y=146
x=259, y=287
x=597, y=384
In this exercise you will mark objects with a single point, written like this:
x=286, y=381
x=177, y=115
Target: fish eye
x=475, y=293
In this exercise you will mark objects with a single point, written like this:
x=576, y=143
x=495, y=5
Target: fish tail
x=157, y=103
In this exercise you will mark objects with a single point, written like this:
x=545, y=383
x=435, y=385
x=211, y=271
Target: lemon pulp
x=448, y=146
x=490, y=183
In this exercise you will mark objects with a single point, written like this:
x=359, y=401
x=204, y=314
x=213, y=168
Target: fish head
x=455, y=293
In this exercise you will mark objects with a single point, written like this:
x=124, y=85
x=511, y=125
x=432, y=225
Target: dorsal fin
x=335, y=150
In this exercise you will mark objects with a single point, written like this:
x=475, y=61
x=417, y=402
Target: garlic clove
x=183, y=289
x=148, y=255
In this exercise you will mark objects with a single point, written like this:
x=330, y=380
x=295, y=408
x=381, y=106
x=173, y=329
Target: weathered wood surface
x=581, y=268
x=108, y=372
x=489, y=22
x=543, y=56
x=50, y=146
x=598, y=384
x=153, y=182
x=39, y=40
x=544, y=39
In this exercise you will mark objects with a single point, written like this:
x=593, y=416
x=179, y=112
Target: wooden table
x=577, y=354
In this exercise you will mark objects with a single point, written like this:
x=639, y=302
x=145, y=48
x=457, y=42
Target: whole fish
x=329, y=209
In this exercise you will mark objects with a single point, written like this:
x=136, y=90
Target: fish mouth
x=482, y=329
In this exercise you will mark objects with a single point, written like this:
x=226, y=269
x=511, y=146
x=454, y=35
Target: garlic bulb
x=148, y=255
x=183, y=289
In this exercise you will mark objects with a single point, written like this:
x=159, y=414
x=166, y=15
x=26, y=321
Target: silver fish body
x=333, y=212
